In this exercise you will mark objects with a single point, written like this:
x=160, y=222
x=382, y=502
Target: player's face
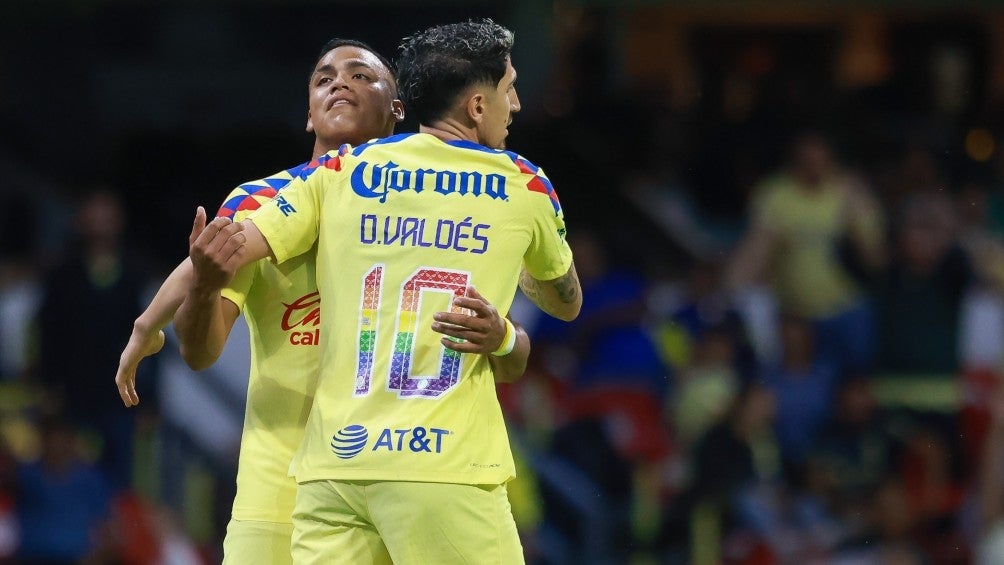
x=352, y=98
x=500, y=105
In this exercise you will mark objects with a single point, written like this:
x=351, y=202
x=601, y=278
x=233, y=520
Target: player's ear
x=310, y=122
x=396, y=110
x=476, y=107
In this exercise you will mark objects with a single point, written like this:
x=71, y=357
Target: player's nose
x=514, y=105
x=340, y=80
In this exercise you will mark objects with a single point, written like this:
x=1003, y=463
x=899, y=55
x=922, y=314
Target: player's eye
x=323, y=80
x=360, y=76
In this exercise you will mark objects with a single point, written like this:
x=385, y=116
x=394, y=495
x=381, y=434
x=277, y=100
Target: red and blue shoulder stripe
x=251, y=195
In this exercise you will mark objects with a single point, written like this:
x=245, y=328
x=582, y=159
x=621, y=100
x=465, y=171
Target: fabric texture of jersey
x=402, y=225
x=282, y=309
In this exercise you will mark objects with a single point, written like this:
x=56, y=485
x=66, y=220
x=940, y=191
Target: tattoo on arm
x=564, y=289
x=529, y=287
x=567, y=286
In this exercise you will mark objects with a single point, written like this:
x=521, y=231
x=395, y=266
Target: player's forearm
x=166, y=302
x=560, y=297
x=201, y=328
x=509, y=368
x=147, y=336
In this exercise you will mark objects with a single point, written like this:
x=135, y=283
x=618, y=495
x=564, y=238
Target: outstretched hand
x=141, y=345
x=481, y=331
x=215, y=249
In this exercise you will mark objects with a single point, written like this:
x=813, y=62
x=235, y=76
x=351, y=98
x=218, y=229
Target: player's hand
x=140, y=346
x=482, y=330
x=214, y=249
x=198, y=226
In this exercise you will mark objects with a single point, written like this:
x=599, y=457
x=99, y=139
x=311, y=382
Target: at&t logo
x=349, y=441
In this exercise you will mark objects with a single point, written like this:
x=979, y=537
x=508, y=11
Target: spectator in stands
x=804, y=220
x=803, y=383
x=918, y=297
x=62, y=502
x=706, y=386
x=89, y=302
x=856, y=448
x=734, y=458
x=609, y=340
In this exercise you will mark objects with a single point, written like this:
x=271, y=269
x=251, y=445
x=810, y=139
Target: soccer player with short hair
x=352, y=98
x=406, y=456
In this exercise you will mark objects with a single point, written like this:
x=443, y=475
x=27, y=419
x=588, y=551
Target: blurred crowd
x=826, y=391
x=790, y=349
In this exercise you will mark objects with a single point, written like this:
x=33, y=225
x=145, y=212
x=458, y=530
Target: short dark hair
x=436, y=65
x=336, y=42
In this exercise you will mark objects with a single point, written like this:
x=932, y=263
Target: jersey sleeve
x=290, y=222
x=240, y=285
x=238, y=205
x=548, y=256
x=245, y=199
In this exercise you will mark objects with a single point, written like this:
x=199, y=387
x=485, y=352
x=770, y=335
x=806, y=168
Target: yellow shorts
x=405, y=523
x=250, y=542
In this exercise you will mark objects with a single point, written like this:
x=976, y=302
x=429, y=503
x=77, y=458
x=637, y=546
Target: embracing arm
x=511, y=366
x=485, y=332
x=560, y=297
x=205, y=318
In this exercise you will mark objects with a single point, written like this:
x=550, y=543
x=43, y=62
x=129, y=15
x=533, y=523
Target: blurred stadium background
x=788, y=217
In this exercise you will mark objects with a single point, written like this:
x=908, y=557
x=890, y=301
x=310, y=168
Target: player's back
x=404, y=224
x=413, y=200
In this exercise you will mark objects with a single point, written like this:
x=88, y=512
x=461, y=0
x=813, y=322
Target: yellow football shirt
x=402, y=225
x=282, y=308
x=806, y=268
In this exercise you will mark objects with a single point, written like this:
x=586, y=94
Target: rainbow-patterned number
x=400, y=379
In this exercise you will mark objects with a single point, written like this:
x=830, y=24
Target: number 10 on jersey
x=400, y=379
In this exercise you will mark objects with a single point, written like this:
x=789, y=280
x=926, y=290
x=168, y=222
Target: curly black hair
x=436, y=65
x=336, y=42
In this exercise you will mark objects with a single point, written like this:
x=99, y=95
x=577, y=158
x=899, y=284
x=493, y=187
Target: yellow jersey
x=401, y=226
x=282, y=308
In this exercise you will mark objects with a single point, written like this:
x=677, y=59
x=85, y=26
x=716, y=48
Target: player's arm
x=508, y=367
x=548, y=277
x=203, y=336
x=485, y=332
x=204, y=319
x=560, y=297
x=147, y=336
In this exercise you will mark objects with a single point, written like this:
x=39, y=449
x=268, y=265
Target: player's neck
x=448, y=129
x=320, y=148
